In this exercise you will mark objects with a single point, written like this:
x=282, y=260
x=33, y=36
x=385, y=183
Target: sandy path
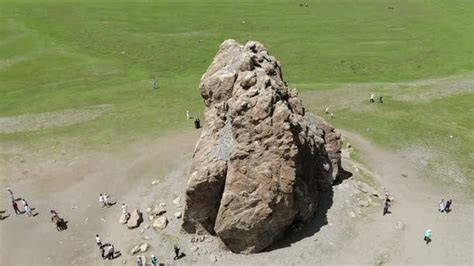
x=332, y=238
x=415, y=205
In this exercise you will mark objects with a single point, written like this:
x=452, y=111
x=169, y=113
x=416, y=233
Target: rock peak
x=260, y=161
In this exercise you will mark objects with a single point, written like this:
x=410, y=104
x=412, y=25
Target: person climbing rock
x=15, y=208
x=176, y=252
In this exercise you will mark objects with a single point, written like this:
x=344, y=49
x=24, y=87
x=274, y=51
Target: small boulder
x=194, y=249
x=363, y=203
x=213, y=258
x=178, y=215
x=400, y=226
x=135, y=250
x=158, y=210
x=123, y=218
x=135, y=219
x=160, y=223
x=177, y=200
x=144, y=247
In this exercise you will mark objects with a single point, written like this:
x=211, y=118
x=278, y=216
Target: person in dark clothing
x=447, y=208
x=15, y=207
x=176, y=252
x=386, y=206
x=197, y=123
x=381, y=99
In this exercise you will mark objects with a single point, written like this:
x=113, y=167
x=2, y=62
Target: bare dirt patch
x=33, y=122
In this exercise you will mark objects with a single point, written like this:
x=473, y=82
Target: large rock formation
x=260, y=161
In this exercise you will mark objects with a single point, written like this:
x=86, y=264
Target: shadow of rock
x=299, y=231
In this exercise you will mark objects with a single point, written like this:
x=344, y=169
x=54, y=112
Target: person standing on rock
x=428, y=236
x=441, y=206
x=106, y=199
x=15, y=208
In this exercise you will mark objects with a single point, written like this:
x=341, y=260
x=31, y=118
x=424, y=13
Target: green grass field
x=56, y=55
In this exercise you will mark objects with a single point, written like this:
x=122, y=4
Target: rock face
x=260, y=161
x=135, y=219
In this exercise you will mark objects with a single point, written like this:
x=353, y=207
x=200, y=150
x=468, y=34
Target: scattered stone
x=151, y=217
x=163, y=205
x=404, y=175
x=124, y=261
x=158, y=210
x=147, y=237
x=154, y=182
x=123, y=218
x=177, y=215
x=148, y=210
x=451, y=137
x=160, y=223
x=135, y=219
x=103, y=220
x=400, y=226
x=363, y=203
x=194, y=249
x=352, y=214
x=135, y=250
x=213, y=258
x=144, y=247
x=177, y=200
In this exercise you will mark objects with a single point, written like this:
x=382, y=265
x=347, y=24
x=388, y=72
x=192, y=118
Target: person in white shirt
x=124, y=208
x=98, y=240
x=101, y=200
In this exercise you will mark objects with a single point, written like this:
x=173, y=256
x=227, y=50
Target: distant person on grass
x=372, y=98
x=188, y=115
x=154, y=84
x=381, y=99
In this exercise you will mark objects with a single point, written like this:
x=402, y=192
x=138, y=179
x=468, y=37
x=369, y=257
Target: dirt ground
x=344, y=232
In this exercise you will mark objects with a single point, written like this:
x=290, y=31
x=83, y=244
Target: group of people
x=445, y=206
x=28, y=211
x=153, y=260
x=104, y=200
x=372, y=98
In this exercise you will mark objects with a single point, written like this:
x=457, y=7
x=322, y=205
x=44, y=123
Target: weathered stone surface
x=123, y=218
x=260, y=161
x=135, y=219
x=160, y=223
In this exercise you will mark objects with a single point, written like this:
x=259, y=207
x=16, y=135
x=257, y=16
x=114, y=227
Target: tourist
x=332, y=115
x=197, y=123
x=11, y=194
x=372, y=98
x=385, y=207
x=447, y=208
x=101, y=200
x=176, y=252
x=188, y=115
x=139, y=261
x=124, y=209
x=381, y=99
x=109, y=252
x=154, y=260
x=327, y=110
x=428, y=236
x=98, y=241
x=154, y=84
x=441, y=206
x=28, y=210
x=106, y=199
x=15, y=208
